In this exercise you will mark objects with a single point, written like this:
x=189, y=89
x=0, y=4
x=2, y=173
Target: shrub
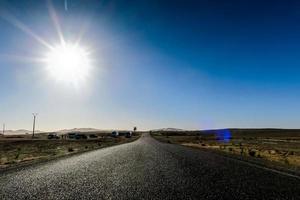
x=259, y=156
x=286, y=161
x=18, y=153
x=252, y=153
x=242, y=151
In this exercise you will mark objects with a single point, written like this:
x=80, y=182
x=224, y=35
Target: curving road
x=147, y=169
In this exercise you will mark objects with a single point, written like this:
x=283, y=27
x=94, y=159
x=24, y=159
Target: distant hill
x=24, y=131
x=63, y=131
x=20, y=132
x=79, y=130
x=169, y=129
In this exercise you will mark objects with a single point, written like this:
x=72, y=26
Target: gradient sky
x=185, y=64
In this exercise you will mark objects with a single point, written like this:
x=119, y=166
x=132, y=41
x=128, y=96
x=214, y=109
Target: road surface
x=147, y=169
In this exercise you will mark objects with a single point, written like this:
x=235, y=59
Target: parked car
x=115, y=134
x=77, y=136
x=80, y=136
x=128, y=134
x=72, y=135
x=93, y=136
x=53, y=136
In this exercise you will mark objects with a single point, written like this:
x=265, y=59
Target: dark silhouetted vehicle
x=77, y=136
x=80, y=136
x=53, y=136
x=115, y=134
x=128, y=134
x=72, y=135
x=92, y=136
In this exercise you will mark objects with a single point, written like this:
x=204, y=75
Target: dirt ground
x=275, y=145
x=16, y=150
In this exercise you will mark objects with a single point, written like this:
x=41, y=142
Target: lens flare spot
x=224, y=135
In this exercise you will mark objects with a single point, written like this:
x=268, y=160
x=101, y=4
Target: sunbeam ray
x=20, y=58
x=55, y=20
x=18, y=24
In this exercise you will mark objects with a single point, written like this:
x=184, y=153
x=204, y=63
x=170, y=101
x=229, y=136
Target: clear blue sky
x=185, y=64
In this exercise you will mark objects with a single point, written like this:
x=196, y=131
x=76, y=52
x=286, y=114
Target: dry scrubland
x=278, y=147
x=21, y=149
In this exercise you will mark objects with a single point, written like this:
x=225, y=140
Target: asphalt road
x=147, y=169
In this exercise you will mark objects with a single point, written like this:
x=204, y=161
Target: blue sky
x=185, y=64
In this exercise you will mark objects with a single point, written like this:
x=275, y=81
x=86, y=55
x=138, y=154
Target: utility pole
x=3, y=130
x=33, y=128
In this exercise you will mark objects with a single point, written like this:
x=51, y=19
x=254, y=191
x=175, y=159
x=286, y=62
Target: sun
x=68, y=63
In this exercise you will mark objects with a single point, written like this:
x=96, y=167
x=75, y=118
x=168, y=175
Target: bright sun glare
x=68, y=63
